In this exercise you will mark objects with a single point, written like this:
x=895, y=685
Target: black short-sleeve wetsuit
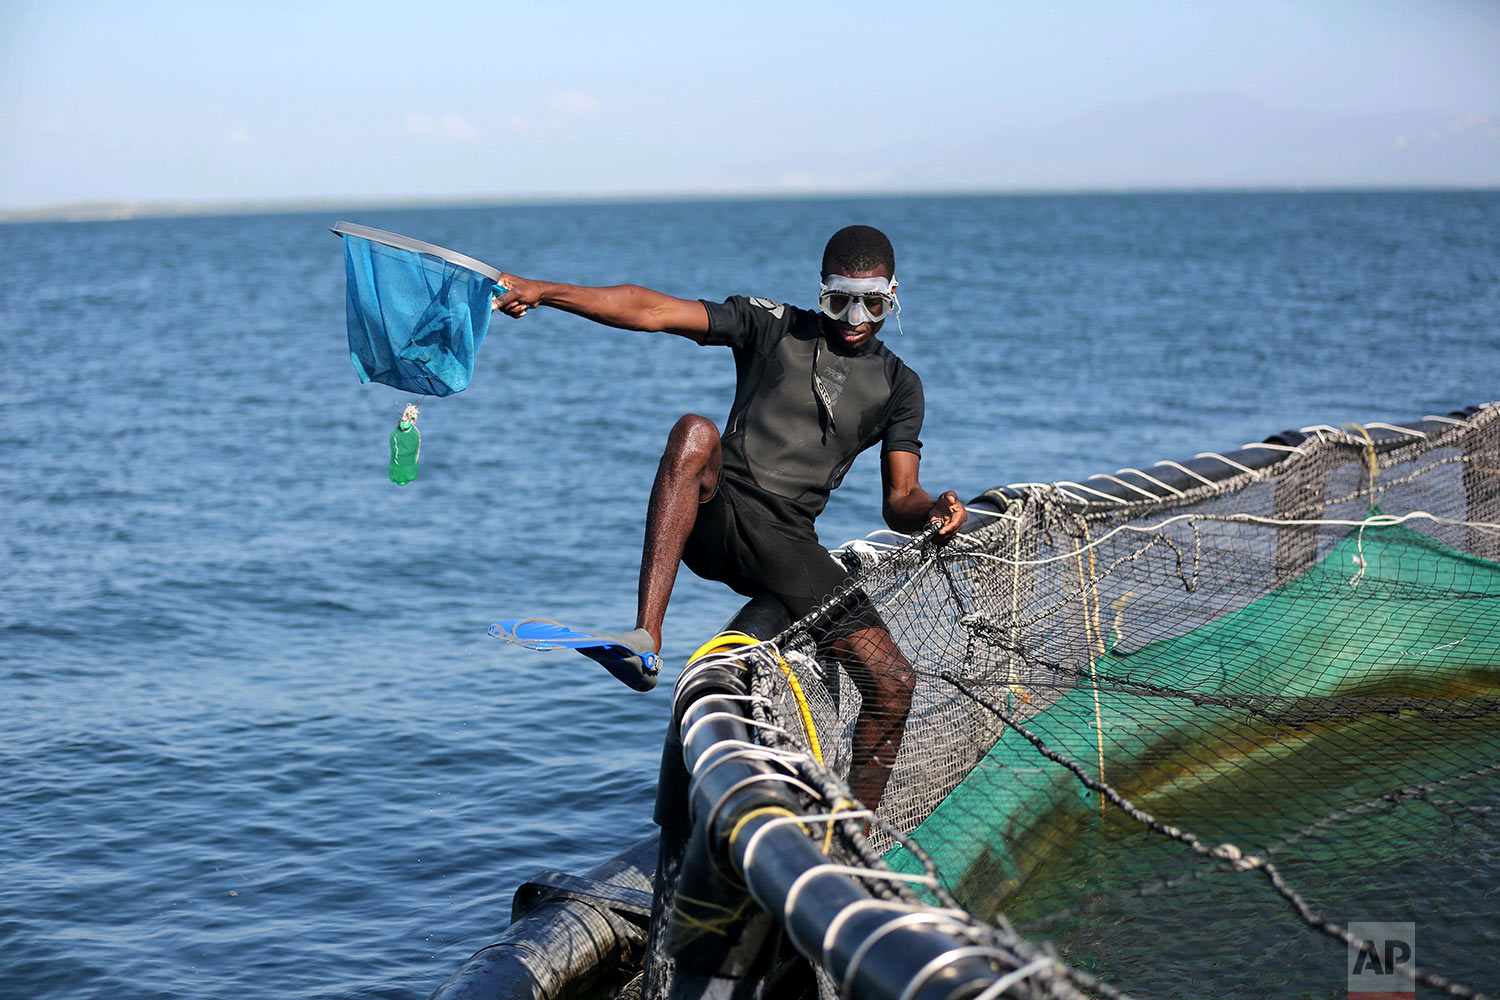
x=804, y=407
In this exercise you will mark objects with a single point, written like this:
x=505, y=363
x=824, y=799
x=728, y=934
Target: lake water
x=257, y=742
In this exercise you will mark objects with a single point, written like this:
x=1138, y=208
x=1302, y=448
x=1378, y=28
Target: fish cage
x=1169, y=731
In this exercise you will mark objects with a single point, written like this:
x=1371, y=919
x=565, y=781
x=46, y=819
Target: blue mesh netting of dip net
x=417, y=313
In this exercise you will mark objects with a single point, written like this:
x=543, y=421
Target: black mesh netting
x=1190, y=737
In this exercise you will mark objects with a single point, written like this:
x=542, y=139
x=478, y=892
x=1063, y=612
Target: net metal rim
x=400, y=242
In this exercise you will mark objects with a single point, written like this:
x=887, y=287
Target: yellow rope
x=807, y=719
x=716, y=925
x=723, y=641
x=727, y=640
x=759, y=811
x=1120, y=615
x=1094, y=589
x=1090, y=631
x=842, y=805
x=1371, y=460
x=1015, y=616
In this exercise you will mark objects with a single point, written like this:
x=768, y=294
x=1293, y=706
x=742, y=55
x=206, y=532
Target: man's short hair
x=858, y=248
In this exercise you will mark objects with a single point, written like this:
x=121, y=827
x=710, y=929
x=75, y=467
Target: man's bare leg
x=687, y=476
x=885, y=681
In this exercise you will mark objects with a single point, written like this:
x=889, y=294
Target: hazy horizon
x=104, y=211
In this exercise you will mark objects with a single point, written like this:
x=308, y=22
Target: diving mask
x=858, y=300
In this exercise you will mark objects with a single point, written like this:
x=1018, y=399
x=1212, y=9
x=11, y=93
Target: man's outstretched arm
x=907, y=506
x=627, y=307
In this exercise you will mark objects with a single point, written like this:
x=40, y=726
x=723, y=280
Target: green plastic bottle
x=406, y=448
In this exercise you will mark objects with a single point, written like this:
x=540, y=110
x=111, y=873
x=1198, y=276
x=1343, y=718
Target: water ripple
x=257, y=742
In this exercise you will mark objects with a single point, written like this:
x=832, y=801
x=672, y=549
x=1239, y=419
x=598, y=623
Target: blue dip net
x=417, y=313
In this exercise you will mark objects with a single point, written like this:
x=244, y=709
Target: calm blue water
x=256, y=740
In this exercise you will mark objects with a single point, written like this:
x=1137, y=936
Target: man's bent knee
x=693, y=449
x=693, y=433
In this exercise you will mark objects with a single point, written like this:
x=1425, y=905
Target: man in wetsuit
x=813, y=390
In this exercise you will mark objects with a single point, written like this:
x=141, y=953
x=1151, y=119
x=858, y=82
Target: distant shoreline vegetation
x=119, y=211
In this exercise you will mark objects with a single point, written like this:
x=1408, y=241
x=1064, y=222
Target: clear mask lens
x=849, y=306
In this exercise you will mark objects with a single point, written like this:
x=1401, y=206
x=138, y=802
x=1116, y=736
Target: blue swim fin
x=630, y=656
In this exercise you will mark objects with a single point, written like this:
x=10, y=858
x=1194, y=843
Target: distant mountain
x=1218, y=141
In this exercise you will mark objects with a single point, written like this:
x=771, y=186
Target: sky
x=460, y=100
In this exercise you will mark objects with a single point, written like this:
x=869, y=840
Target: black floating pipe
x=1251, y=457
x=566, y=934
x=740, y=803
